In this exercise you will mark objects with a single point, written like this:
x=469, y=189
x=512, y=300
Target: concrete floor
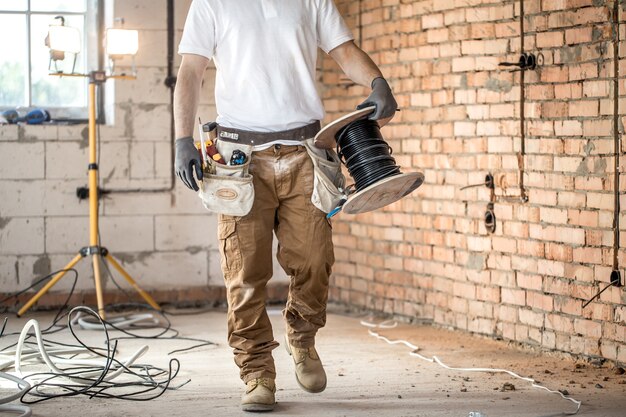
x=366, y=377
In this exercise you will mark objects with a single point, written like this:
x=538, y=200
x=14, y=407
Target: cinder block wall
x=166, y=240
x=430, y=255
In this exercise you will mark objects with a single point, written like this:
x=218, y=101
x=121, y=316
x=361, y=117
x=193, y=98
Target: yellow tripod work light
x=119, y=43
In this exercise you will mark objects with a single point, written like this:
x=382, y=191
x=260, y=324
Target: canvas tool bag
x=329, y=182
x=228, y=189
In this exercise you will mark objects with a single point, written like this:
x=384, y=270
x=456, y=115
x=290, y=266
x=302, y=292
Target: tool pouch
x=229, y=189
x=329, y=182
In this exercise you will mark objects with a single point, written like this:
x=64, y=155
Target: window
x=25, y=82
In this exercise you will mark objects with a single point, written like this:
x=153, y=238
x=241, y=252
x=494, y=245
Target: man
x=265, y=91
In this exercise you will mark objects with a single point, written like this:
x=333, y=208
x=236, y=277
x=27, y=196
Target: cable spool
x=361, y=147
x=365, y=153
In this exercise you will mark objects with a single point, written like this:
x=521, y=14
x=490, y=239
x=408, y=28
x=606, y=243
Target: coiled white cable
x=388, y=324
x=116, y=322
x=15, y=408
x=34, y=354
x=46, y=358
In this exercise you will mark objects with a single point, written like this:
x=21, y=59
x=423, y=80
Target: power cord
x=388, y=324
x=90, y=376
x=12, y=408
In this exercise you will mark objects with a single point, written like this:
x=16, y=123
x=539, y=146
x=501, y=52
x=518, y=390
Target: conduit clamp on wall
x=527, y=61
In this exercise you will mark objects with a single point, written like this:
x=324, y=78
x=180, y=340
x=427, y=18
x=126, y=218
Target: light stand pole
x=94, y=249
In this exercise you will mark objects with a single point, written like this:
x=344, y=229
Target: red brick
x=432, y=21
x=578, y=35
x=512, y=296
x=587, y=108
x=568, y=128
x=549, y=39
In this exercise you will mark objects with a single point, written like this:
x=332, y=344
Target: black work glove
x=381, y=97
x=187, y=157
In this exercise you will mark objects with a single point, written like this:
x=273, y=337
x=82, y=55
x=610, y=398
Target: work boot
x=309, y=370
x=259, y=395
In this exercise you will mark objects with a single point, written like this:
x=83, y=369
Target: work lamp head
x=120, y=42
x=64, y=39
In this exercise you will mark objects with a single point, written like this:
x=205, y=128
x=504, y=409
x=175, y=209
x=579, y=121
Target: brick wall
x=166, y=240
x=430, y=256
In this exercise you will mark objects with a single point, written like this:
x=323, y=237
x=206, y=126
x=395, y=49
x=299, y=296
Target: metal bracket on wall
x=616, y=281
x=490, y=215
x=527, y=61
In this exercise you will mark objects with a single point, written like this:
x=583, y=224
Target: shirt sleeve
x=199, y=31
x=332, y=30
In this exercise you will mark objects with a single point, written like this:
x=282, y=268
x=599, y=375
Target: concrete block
x=22, y=198
x=9, y=274
x=181, y=8
x=152, y=47
x=84, y=270
x=39, y=132
x=9, y=132
x=141, y=160
x=137, y=184
x=151, y=122
x=166, y=270
x=66, y=234
x=113, y=131
x=66, y=160
x=141, y=14
x=187, y=200
x=78, y=132
x=114, y=161
x=60, y=198
x=127, y=233
x=21, y=161
x=21, y=236
x=149, y=87
x=191, y=233
x=139, y=203
x=216, y=277
x=163, y=152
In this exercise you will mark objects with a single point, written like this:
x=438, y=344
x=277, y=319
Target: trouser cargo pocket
x=229, y=246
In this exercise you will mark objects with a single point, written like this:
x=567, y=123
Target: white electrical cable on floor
x=9, y=355
x=117, y=322
x=14, y=408
x=388, y=324
x=46, y=358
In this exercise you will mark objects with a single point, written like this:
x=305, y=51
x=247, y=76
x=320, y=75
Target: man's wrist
x=374, y=81
x=184, y=138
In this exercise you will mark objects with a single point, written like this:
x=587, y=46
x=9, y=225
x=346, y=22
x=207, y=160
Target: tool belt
x=248, y=137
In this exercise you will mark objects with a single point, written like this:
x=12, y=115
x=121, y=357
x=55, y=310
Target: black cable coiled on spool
x=365, y=153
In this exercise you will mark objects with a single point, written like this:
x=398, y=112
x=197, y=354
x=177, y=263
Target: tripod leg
x=96, y=277
x=49, y=285
x=132, y=282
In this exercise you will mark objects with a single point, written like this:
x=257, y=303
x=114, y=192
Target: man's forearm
x=356, y=64
x=186, y=97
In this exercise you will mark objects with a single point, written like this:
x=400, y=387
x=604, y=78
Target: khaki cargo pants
x=283, y=182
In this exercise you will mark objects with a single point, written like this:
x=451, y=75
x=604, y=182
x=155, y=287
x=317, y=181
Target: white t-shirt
x=265, y=53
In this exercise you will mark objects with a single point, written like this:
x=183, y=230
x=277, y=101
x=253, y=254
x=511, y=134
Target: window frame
x=92, y=58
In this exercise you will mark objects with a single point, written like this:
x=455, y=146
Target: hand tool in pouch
x=202, y=147
x=211, y=149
